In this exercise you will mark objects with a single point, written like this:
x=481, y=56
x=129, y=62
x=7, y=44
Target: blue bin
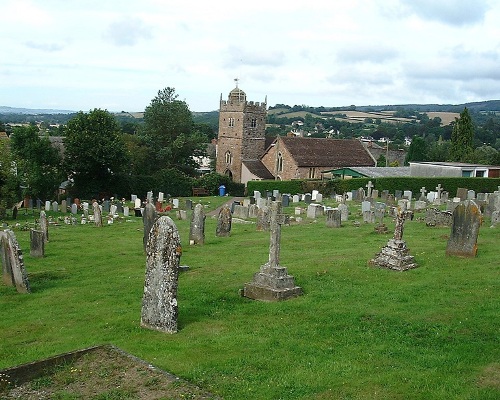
x=222, y=190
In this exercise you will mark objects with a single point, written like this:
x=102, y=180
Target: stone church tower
x=242, y=128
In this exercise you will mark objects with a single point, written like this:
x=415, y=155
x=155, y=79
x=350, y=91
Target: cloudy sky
x=117, y=55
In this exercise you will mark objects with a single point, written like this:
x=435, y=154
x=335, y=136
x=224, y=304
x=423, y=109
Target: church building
x=244, y=153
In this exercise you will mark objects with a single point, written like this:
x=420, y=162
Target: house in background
x=454, y=169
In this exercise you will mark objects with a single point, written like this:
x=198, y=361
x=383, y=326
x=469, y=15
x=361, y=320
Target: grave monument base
x=395, y=255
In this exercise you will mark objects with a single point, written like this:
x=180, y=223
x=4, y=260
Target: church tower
x=242, y=128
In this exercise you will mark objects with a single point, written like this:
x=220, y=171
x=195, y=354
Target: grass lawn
x=358, y=332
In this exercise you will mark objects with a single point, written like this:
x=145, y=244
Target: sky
x=117, y=54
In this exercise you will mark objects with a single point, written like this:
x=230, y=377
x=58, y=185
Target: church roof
x=257, y=168
x=319, y=152
x=237, y=94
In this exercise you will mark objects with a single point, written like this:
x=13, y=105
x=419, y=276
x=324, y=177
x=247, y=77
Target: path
x=229, y=202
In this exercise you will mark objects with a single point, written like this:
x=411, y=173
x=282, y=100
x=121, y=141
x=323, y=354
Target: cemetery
x=293, y=296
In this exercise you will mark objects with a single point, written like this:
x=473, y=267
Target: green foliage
x=170, y=134
x=417, y=151
x=381, y=161
x=9, y=183
x=38, y=162
x=94, y=152
x=292, y=187
x=462, y=138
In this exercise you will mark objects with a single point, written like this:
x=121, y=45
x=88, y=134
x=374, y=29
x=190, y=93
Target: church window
x=253, y=123
x=231, y=122
x=312, y=172
x=228, y=157
x=280, y=162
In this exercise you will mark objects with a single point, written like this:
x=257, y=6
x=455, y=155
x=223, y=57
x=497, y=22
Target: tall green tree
x=9, y=184
x=38, y=162
x=170, y=134
x=462, y=138
x=94, y=152
x=417, y=150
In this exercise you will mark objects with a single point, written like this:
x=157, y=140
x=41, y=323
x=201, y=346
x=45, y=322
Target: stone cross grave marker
x=163, y=253
x=439, y=190
x=464, y=230
x=369, y=187
x=197, y=226
x=272, y=282
x=224, y=222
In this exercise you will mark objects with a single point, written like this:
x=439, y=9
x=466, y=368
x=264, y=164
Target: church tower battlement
x=242, y=128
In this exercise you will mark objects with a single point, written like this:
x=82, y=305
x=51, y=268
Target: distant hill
x=488, y=105
x=32, y=111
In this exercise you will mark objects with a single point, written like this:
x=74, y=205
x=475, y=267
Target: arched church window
x=280, y=162
x=228, y=157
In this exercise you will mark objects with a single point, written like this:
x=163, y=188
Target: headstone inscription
x=149, y=217
x=97, y=214
x=272, y=282
x=163, y=253
x=16, y=262
x=224, y=222
x=197, y=226
x=37, y=243
x=395, y=255
x=464, y=230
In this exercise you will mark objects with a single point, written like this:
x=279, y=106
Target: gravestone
x=379, y=214
x=384, y=195
x=344, y=212
x=252, y=211
x=436, y=217
x=175, y=203
x=7, y=277
x=149, y=197
x=246, y=202
x=160, y=196
x=464, y=230
x=133, y=198
x=37, y=243
x=256, y=194
x=374, y=194
x=308, y=198
x=261, y=202
x=197, y=226
x=126, y=211
x=55, y=206
x=240, y=211
x=106, y=206
x=263, y=219
x=149, y=216
x=462, y=193
x=163, y=253
x=319, y=197
x=285, y=199
x=419, y=205
x=431, y=197
x=224, y=222
x=64, y=207
x=97, y=214
x=44, y=226
x=360, y=196
x=493, y=204
x=423, y=191
x=85, y=206
x=74, y=209
x=314, y=210
x=369, y=187
x=398, y=194
x=181, y=215
x=272, y=282
x=395, y=255
x=38, y=204
x=119, y=208
x=314, y=193
x=295, y=198
x=16, y=262
x=47, y=205
x=112, y=209
x=333, y=218
x=471, y=195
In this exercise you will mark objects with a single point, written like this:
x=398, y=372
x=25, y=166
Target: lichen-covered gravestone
x=333, y=218
x=97, y=214
x=272, y=282
x=197, y=226
x=44, y=226
x=7, y=277
x=263, y=218
x=149, y=217
x=16, y=263
x=224, y=222
x=163, y=253
x=464, y=230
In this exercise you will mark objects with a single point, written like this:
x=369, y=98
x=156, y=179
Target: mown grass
x=357, y=333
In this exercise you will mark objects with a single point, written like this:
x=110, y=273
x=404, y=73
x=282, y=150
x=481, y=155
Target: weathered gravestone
x=74, y=209
x=55, y=206
x=252, y=211
x=462, y=193
x=464, y=230
x=163, y=253
x=14, y=263
x=126, y=211
x=37, y=243
x=64, y=207
x=224, y=222
x=395, y=255
x=47, y=205
x=333, y=218
x=7, y=277
x=44, y=226
x=344, y=212
x=240, y=211
x=263, y=218
x=379, y=214
x=97, y=214
x=314, y=210
x=197, y=226
x=272, y=282
x=148, y=218
x=436, y=217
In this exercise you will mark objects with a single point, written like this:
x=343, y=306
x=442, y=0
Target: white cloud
x=127, y=31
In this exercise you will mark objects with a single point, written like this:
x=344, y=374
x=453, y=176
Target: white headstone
x=85, y=205
x=319, y=197
x=314, y=194
x=175, y=202
x=408, y=194
x=137, y=203
x=295, y=198
x=133, y=198
x=160, y=196
x=365, y=206
x=47, y=205
x=126, y=211
x=431, y=196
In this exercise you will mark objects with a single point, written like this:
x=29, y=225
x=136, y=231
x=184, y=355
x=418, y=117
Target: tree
x=170, y=134
x=94, y=152
x=462, y=138
x=417, y=150
x=38, y=162
x=9, y=184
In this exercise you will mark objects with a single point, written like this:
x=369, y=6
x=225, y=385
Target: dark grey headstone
x=37, y=243
x=163, y=253
x=464, y=230
x=285, y=200
x=333, y=218
x=19, y=275
x=7, y=277
x=189, y=204
x=106, y=206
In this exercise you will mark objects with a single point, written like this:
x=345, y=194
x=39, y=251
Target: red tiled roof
x=318, y=152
